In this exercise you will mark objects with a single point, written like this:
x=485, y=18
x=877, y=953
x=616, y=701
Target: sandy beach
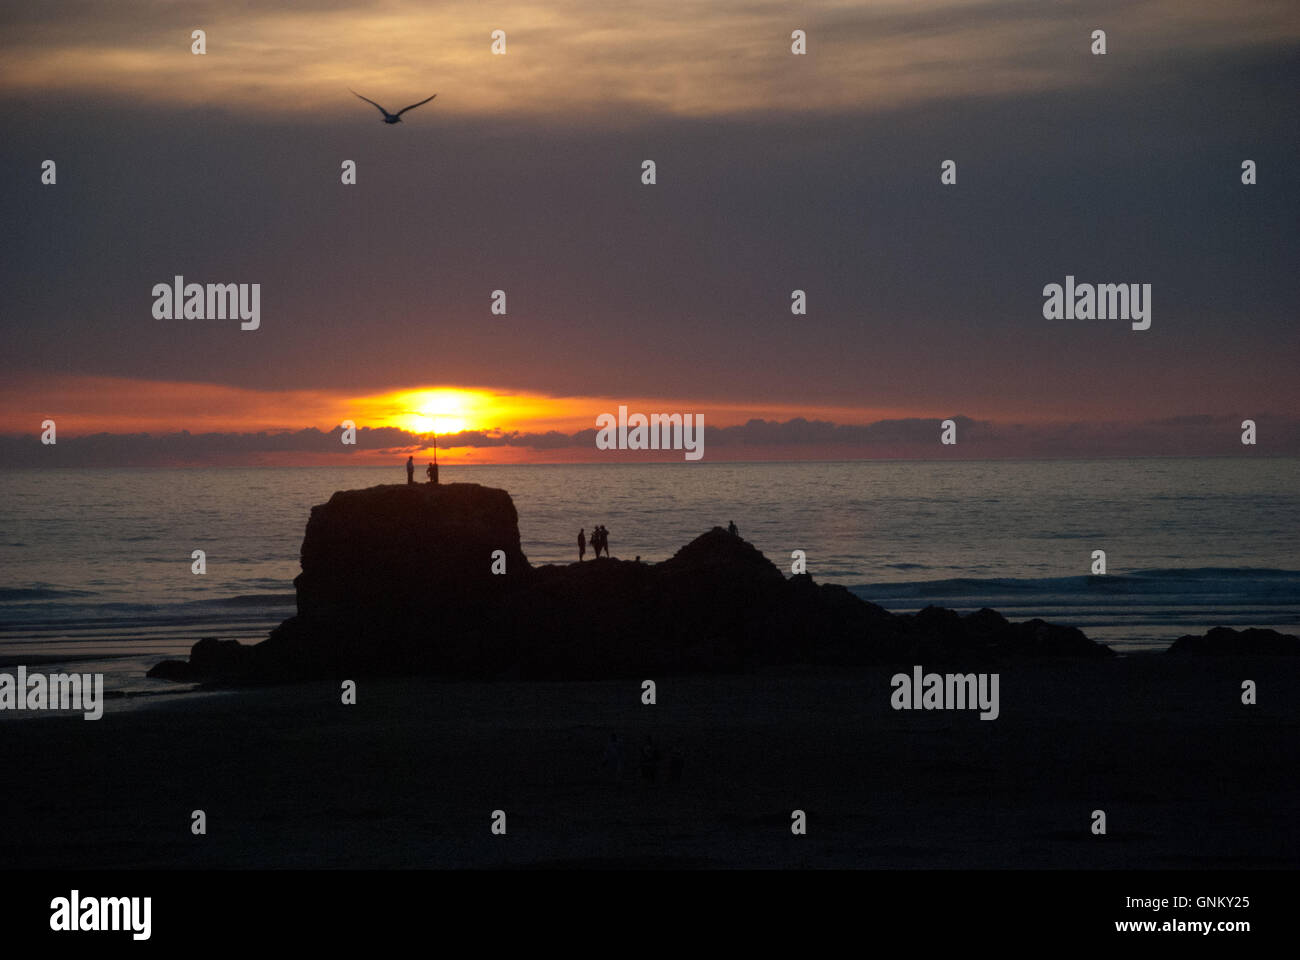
x=288, y=776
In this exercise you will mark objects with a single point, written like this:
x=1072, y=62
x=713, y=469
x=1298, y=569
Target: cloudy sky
x=775, y=172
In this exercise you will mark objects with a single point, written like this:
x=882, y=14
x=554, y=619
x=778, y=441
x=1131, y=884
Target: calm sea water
x=98, y=562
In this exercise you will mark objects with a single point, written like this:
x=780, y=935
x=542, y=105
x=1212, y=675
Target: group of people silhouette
x=599, y=541
x=431, y=471
x=599, y=535
x=649, y=760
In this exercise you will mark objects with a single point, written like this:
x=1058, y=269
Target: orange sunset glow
x=799, y=271
x=448, y=410
x=84, y=406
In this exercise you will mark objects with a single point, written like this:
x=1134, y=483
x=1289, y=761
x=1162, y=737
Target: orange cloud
x=574, y=57
x=89, y=405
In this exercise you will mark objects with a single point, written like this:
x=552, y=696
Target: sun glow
x=450, y=410
x=443, y=411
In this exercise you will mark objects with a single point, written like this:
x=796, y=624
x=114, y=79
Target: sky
x=774, y=173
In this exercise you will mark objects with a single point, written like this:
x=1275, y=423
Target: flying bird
x=390, y=117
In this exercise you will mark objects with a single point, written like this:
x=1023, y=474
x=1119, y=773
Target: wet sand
x=409, y=777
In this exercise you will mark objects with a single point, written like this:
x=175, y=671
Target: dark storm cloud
x=800, y=431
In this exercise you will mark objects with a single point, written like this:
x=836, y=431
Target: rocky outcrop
x=1224, y=641
x=388, y=553
x=400, y=579
x=212, y=660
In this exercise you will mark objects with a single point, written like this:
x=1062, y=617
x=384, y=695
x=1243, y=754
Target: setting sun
x=442, y=411
x=446, y=411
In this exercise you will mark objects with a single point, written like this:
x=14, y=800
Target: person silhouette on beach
x=432, y=472
x=410, y=469
x=649, y=760
x=582, y=544
x=604, y=540
x=613, y=761
x=731, y=528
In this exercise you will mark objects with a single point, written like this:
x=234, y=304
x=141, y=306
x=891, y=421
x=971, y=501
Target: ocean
x=95, y=565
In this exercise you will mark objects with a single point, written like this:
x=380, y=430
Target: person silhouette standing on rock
x=582, y=543
x=410, y=469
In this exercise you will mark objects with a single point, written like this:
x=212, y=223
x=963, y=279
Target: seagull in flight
x=390, y=117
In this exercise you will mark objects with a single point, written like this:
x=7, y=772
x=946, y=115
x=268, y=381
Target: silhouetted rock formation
x=393, y=557
x=398, y=579
x=1224, y=641
x=210, y=659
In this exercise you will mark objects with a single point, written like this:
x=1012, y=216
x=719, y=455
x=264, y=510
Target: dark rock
x=210, y=659
x=179, y=670
x=1224, y=641
x=381, y=553
x=398, y=579
x=1037, y=638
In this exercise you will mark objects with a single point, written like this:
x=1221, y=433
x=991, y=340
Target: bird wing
x=414, y=105
x=372, y=103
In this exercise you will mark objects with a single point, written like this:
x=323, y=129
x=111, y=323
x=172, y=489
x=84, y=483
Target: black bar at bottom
x=329, y=909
